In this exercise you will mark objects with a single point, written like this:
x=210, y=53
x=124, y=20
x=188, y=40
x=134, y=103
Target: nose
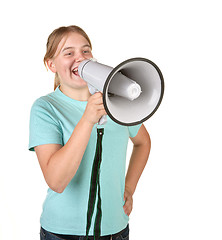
x=80, y=57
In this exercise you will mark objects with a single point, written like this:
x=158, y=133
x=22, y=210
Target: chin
x=81, y=84
x=79, y=81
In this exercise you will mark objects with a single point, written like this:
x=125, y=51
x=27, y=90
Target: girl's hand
x=128, y=198
x=94, y=108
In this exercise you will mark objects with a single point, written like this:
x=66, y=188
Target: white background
x=179, y=194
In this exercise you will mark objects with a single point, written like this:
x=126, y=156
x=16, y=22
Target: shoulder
x=43, y=102
x=133, y=130
x=44, y=125
x=43, y=109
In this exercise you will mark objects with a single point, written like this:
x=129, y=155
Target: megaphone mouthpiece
x=124, y=87
x=134, y=91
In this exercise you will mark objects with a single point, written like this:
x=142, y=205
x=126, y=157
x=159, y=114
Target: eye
x=86, y=51
x=68, y=54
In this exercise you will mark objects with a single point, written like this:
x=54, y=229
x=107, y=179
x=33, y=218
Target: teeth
x=75, y=71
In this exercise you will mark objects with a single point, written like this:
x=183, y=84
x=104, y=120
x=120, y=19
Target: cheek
x=63, y=67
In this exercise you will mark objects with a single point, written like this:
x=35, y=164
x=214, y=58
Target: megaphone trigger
x=92, y=89
x=102, y=120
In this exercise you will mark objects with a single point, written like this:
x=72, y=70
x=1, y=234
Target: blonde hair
x=53, y=41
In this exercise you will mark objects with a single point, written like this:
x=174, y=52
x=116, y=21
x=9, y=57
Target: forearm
x=63, y=165
x=137, y=164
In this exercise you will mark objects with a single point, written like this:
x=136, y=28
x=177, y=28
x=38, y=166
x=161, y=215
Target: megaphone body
x=132, y=91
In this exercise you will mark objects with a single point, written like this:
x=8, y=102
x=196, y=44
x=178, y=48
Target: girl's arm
x=138, y=160
x=60, y=163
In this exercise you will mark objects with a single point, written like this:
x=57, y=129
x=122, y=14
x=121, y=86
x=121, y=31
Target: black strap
x=93, y=189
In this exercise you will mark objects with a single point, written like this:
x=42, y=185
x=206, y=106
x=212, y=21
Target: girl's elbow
x=58, y=190
x=56, y=187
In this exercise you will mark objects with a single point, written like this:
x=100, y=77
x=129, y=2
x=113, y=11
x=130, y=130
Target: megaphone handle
x=102, y=120
x=92, y=90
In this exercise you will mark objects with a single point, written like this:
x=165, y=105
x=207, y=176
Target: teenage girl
x=63, y=134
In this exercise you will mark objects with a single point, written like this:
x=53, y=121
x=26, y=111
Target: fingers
x=97, y=98
x=94, y=109
x=128, y=206
x=102, y=111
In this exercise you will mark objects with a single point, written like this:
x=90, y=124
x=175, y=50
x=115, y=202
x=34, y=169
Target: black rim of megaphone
x=116, y=69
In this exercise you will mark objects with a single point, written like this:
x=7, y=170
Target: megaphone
x=132, y=91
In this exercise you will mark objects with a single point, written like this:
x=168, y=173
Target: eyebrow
x=66, y=48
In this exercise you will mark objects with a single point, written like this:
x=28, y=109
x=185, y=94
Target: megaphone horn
x=132, y=91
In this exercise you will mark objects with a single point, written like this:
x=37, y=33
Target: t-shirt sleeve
x=44, y=127
x=133, y=130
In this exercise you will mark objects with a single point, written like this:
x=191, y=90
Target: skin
x=60, y=163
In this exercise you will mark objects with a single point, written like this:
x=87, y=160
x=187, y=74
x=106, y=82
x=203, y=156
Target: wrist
x=129, y=189
x=87, y=122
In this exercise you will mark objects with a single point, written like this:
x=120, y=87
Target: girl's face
x=72, y=49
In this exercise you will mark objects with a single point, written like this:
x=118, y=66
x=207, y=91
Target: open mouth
x=75, y=71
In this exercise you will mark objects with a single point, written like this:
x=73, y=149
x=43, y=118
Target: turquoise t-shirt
x=52, y=121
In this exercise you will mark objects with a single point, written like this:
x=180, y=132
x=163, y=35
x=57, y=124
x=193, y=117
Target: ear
x=51, y=65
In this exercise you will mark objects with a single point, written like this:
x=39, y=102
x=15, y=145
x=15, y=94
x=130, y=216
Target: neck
x=81, y=94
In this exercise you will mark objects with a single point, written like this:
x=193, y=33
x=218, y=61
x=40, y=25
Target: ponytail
x=56, y=81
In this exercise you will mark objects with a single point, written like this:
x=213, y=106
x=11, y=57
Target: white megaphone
x=132, y=91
